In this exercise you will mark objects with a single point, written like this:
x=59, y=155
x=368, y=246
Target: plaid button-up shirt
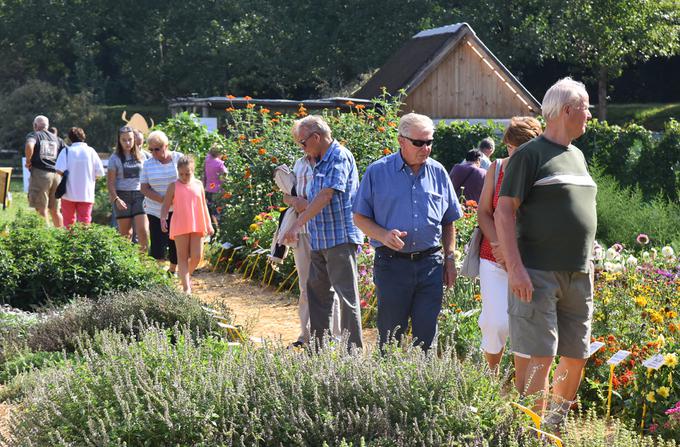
x=334, y=225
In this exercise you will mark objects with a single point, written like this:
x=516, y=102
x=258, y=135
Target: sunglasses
x=418, y=143
x=156, y=149
x=303, y=143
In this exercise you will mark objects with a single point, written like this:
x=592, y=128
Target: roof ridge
x=447, y=29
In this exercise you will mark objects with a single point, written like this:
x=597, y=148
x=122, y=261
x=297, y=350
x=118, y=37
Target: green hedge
x=41, y=264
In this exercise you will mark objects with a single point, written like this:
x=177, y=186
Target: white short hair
x=411, y=120
x=157, y=136
x=313, y=123
x=41, y=122
x=564, y=92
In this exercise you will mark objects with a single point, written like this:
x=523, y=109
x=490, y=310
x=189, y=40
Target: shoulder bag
x=61, y=188
x=470, y=267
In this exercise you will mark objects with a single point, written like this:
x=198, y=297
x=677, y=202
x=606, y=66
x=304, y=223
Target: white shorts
x=493, y=321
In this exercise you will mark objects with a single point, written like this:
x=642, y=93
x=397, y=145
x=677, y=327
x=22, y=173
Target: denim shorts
x=135, y=204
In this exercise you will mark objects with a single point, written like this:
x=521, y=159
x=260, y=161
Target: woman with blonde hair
x=493, y=321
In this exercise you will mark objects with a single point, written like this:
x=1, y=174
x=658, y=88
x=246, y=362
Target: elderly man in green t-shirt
x=546, y=223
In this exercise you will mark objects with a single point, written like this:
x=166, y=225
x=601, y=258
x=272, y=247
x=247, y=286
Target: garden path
x=261, y=310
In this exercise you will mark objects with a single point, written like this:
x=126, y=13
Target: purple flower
x=642, y=239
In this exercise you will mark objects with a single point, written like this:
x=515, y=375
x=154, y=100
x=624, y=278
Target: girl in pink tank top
x=190, y=219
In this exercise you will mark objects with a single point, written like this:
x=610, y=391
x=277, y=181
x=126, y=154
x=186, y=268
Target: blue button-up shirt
x=393, y=196
x=334, y=225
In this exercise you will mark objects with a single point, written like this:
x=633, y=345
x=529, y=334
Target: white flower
x=612, y=254
x=631, y=262
x=608, y=266
x=654, y=253
x=667, y=251
x=645, y=255
x=617, y=267
x=598, y=252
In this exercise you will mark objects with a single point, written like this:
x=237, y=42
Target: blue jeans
x=408, y=289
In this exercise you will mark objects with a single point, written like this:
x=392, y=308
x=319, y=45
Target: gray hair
x=488, y=144
x=313, y=123
x=564, y=92
x=411, y=120
x=41, y=122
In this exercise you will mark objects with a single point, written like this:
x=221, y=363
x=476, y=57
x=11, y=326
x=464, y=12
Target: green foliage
x=19, y=107
x=126, y=312
x=153, y=391
x=57, y=264
x=623, y=213
x=452, y=141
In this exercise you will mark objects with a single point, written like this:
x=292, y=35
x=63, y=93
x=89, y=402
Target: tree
x=605, y=36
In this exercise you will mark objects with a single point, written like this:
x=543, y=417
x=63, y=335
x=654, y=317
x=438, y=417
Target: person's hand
x=291, y=235
x=300, y=204
x=211, y=230
x=520, y=284
x=120, y=204
x=392, y=239
x=164, y=225
x=498, y=253
x=28, y=164
x=450, y=272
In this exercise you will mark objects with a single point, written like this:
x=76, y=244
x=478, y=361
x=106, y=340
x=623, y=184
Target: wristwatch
x=451, y=256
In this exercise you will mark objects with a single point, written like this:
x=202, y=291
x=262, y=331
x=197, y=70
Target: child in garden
x=190, y=221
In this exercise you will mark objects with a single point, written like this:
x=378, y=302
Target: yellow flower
x=671, y=360
x=651, y=397
x=641, y=301
x=252, y=227
x=663, y=391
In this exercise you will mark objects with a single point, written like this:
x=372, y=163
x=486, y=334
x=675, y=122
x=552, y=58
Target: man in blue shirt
x=333, y=236
x=406, y=205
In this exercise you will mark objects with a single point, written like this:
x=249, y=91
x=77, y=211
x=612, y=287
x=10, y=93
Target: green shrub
x=452, y=141
x=126, y=312
x=623, y=213
x=57, y=264
x=152, y=391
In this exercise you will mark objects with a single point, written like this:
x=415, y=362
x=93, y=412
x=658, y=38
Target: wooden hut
x=448, y=73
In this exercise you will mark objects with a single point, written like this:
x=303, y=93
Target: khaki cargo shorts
x=41, y=188
x=558, y=318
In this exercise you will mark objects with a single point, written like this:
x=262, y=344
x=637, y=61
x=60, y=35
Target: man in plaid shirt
x=334, y=237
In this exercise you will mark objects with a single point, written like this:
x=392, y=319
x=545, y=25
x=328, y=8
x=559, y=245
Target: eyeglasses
x=303, y=143
x=418, y=143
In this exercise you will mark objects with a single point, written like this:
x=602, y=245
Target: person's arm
x=485, y=214
x=28, y=152
x=313, y=208
x=389, y=238
x=165, y=208
x=211, y=229
x=298, y=203
x=148, y=191
x=449, y=244
x=518, y=278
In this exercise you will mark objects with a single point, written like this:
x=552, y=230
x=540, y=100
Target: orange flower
x=256, y=140
x=381, y=119
x=231, y=96
x=471, y=204
x=211, y=186
x=370, y=117
x=247, y=98
x=387, y=151
x=227, y=196
x=380, y=129
x=229, y=109
x=350, y=103
x=274, y=160
x=250, y=106
x=247, y=174
x=361, y=106
x=277, y=113
x=274, y=120
x=392, y=124
x=219, y=209
x=262, y=151
x=241, y=137
x=263, y=110
x=224, y=157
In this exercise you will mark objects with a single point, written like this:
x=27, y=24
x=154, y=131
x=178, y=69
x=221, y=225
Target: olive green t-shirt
x=556, y=219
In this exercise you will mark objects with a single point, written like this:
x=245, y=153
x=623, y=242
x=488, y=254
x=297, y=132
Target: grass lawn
x=19, y=202
x=653, y=116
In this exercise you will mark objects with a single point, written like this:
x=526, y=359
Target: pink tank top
x=189, y=210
